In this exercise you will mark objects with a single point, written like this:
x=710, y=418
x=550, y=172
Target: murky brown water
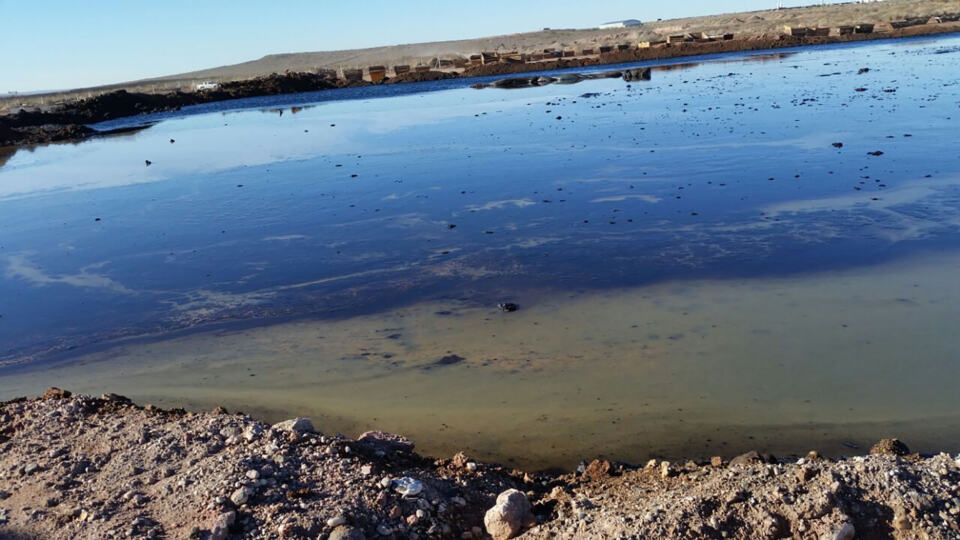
x=710, y=366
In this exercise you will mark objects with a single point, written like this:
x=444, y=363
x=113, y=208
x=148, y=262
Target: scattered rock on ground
x=105, y=467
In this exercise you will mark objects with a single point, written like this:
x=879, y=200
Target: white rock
x=252, y=432
x=509, y=516
x=407, y=487
x=336, y=521
x=297, y=425
x=844, y=532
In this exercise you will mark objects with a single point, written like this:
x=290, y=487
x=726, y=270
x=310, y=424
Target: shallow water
x=699, y=271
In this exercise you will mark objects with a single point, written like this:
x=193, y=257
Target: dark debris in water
x=946, y=50
x=448, y=360
x=508, y=307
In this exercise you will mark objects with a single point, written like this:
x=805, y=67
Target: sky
x=61, y=44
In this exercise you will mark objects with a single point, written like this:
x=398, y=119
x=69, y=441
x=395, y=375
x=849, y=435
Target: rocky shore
x=76, y=466
x=69, y=121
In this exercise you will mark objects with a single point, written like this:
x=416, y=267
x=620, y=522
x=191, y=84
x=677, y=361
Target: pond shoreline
x=81, y=466
x=70, y=122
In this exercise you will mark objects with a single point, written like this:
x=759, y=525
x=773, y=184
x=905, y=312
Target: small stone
x=665, y=470
x=30, y=468
x=716, y=461
x=901, y=522
x=597, y=469
x=336, y=521
x=387, y=442
x=56, y=393
x=407, y=487
x=509, y=516
x=751, y=457
x=471, y=466
x=287, y=530
x=844, y=532
x=889, y=447
x=253, y=431
x=240, y=496
x=346, y=533
x=222, y=524
x=296, y=425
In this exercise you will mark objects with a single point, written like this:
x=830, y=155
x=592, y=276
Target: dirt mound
x=83, y=467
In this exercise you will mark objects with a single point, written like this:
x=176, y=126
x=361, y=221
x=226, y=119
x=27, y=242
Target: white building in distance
x=206, y=85
x=621, y=24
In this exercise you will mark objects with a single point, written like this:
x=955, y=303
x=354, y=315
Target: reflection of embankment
x=761, y=58
x=6, y=153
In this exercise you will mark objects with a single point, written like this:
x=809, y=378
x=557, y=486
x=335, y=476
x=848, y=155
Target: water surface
x=699, y=269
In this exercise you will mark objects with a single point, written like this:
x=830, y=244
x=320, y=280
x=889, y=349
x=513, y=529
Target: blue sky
x=49, y=45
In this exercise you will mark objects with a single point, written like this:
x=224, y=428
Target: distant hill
x=759, y=24
x=756, y=23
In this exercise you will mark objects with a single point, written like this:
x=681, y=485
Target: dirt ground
x=83, y=467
